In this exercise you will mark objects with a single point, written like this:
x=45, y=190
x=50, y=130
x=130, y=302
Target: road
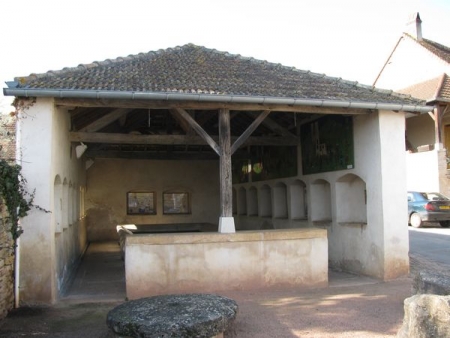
x=432, y=243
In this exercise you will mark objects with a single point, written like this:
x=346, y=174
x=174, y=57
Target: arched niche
x=242, y=201
x=280, y=209
x=81, y=202
x=299, y=205
x=70, y=209
x=351, y=199
x=65, y=204
x=57, y=204
x=265, y=201
x=252, y=202
x=321, y=201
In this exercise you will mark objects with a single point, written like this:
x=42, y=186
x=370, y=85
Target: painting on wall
x=141, y=203
x=176, y=203
x=327, y=144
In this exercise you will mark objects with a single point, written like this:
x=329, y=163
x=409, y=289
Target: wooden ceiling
x=177, y=131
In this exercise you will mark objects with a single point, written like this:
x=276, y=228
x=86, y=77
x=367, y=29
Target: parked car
x=428, y=207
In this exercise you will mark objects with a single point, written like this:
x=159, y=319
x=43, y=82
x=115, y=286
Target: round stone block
x=186, y=315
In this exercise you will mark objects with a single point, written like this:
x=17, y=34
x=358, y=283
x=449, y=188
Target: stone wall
x=6, y=264
x=7, y=137
x=8, y=153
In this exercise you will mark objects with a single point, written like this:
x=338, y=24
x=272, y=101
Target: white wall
x=373, y=241
x=47, y=253
x=422, y=173
x=109, y=180
x=183, y=263
x=411, y=64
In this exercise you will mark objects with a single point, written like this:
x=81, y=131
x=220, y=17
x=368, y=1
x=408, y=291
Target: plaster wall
x=423, y=173
x=182, y=263
x=410, y=64
x=373, y=239
x=420, y=130
x=109, y=180
x=379, y=246
x=47, y=255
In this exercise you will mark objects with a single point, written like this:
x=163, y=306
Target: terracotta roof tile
x=444, y=92
x=434, y=89
x=196, y=69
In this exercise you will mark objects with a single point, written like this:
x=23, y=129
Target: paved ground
x=352, y=306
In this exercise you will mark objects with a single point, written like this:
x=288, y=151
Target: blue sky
x=348, y=38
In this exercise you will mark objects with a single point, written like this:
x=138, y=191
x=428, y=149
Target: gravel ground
x=355, y=310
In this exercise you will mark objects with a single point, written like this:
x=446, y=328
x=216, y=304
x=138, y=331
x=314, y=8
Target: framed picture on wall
x=176, y=203
x=141, y=203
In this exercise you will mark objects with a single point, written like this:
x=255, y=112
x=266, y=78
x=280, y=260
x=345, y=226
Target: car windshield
x=433, y=196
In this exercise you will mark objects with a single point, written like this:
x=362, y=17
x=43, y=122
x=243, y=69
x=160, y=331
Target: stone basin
x=185, y=315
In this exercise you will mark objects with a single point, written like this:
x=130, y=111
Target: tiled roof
x=444, y=92
x=441, y=51
x=436, y=89
x=195, y=69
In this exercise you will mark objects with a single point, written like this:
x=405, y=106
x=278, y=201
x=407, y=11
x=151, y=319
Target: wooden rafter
x=275, y=127
x=184, y=124
x=199, y=130
x=105, y=120
x=246, y=134
x=187, y=105
x=115, y=138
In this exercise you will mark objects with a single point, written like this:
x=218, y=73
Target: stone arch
x=321, y=201
x=298, y=201
x=57, y=204
x=265, y=201
x=242, y=201
x=252, y=202
x=351, y=199
x=280, y=209
x=65, y=204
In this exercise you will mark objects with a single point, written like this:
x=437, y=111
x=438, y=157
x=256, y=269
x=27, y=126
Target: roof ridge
x=142, y=55
x=439, y=50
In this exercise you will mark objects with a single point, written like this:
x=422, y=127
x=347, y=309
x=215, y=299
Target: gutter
x=226, y=99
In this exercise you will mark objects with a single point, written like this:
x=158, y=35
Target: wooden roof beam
x=187, y=105
x=106, y=120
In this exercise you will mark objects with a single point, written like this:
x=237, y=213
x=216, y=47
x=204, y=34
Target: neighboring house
x=421, y=68
x=188, y=136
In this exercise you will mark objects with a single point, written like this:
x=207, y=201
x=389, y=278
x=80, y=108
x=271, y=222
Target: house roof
x=436, y=89
x=192, y=69
x=441, y=51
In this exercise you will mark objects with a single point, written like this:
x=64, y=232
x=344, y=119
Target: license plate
x=444, y=207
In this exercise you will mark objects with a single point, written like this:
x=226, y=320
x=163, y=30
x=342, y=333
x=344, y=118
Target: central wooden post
x=226, y=221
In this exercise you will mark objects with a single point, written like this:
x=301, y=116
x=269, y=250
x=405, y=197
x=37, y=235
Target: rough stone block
x=426, y=316
x=431, y=283
x=187, y=315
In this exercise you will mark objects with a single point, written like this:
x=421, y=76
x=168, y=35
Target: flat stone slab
x=186, y=315
x=426, y=282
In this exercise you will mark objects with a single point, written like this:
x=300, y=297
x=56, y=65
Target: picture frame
x=141, y=203
x=176, y=203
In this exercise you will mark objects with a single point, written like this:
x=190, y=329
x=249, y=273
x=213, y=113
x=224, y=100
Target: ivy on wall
x=13, y=192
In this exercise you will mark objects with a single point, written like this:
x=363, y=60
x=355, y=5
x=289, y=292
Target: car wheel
x=415, y=220
x=445, y=224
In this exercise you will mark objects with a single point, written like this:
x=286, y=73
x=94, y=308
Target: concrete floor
x=352, y=306
x=101, y=276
